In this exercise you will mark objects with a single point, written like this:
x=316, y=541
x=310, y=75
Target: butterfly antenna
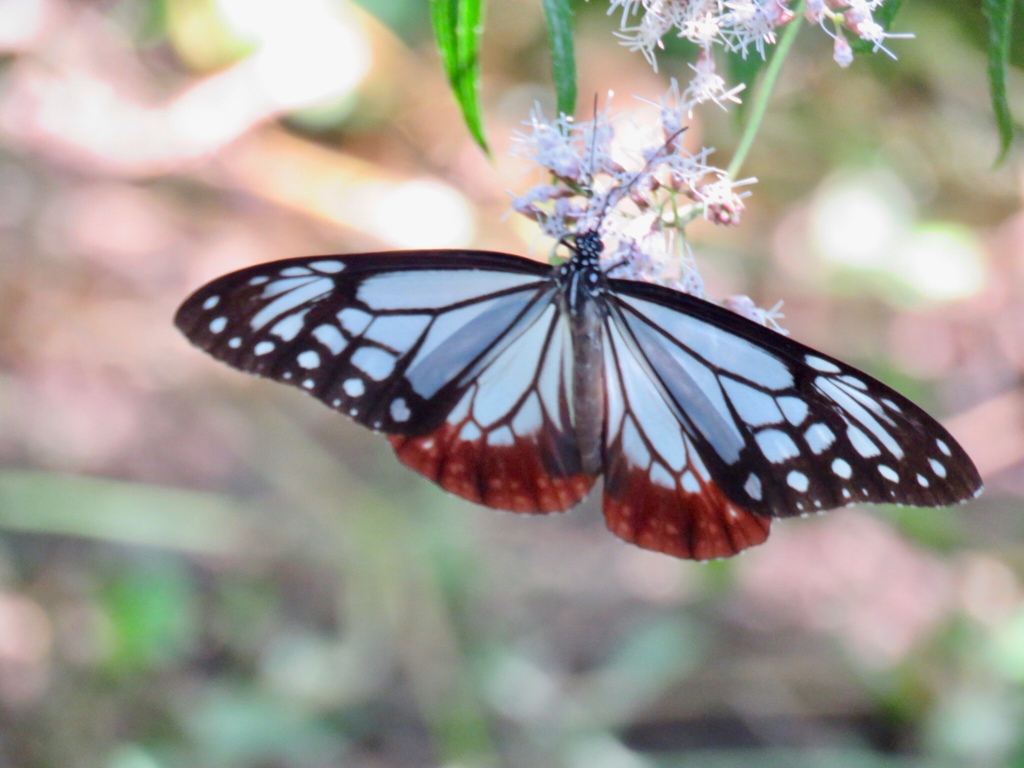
x=593, y=148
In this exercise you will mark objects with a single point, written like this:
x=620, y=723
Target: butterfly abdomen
x=581, y=305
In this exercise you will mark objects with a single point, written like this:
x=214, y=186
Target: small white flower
x=722, y=203
x=842, y=53
x=707, y=85
x=745, y=307
x=739, y=25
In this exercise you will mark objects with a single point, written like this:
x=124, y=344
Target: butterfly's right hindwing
x=388, y=339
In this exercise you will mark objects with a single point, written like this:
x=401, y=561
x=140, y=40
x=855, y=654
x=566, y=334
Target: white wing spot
x=529, y=419
x=469, y=432
x=633, y=446
x=753, y=487
x=861, y=442
x=776, y=445
x=263, y=348
x=795, y=410
x=289, y=327
x=846, y=493
x=797, y=481
x=374, y=362
x=330, y=267
x=308, y=383
x=819, y=437
x=888, y=473
x=400, y=411
x=922, y=481
x=354, y=320
x=854, y=382
x=690, y=482
x=335, y=402
x=308, y=359
x=211, y=302
x=661, y=476
x=842, y=468
x=755, y=408
x=501, y=437
x=354, y=387
x=943, y=447
x=295, y=272
x=218, y=325
x=286, y=375
x=235, y=342
x=820, y=364
x=330, y=337
x=259, y=280
x=937, y=468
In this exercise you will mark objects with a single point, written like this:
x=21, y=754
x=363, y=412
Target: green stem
x=759, y=105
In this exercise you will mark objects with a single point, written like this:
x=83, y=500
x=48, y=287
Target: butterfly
x=516, y=384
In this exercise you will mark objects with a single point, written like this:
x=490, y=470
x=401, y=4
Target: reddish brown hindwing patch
x=511, y=477
x=696, y=526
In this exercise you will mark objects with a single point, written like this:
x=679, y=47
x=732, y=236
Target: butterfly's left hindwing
x=387, y=339
x=782, y=428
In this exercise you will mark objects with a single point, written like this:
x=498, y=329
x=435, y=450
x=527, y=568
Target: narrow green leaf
x=118, y=511
x=563, y=60
x=999, y=14
x=457, y=28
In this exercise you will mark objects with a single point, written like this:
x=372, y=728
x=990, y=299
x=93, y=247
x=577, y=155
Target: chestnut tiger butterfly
x=515, y=385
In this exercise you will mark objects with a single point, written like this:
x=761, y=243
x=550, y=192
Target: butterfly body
x=516, y=385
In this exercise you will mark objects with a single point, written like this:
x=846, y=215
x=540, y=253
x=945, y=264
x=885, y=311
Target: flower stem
x=759, y=105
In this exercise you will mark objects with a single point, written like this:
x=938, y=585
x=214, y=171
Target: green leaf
x=457, y=28
x=563, y=61
x=999, y=14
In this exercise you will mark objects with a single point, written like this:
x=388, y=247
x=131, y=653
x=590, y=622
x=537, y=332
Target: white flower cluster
x=739, y=25
x=639, y=205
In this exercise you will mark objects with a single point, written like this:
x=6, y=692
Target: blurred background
x=200, y=569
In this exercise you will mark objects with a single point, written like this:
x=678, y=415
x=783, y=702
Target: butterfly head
x=588, y=248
